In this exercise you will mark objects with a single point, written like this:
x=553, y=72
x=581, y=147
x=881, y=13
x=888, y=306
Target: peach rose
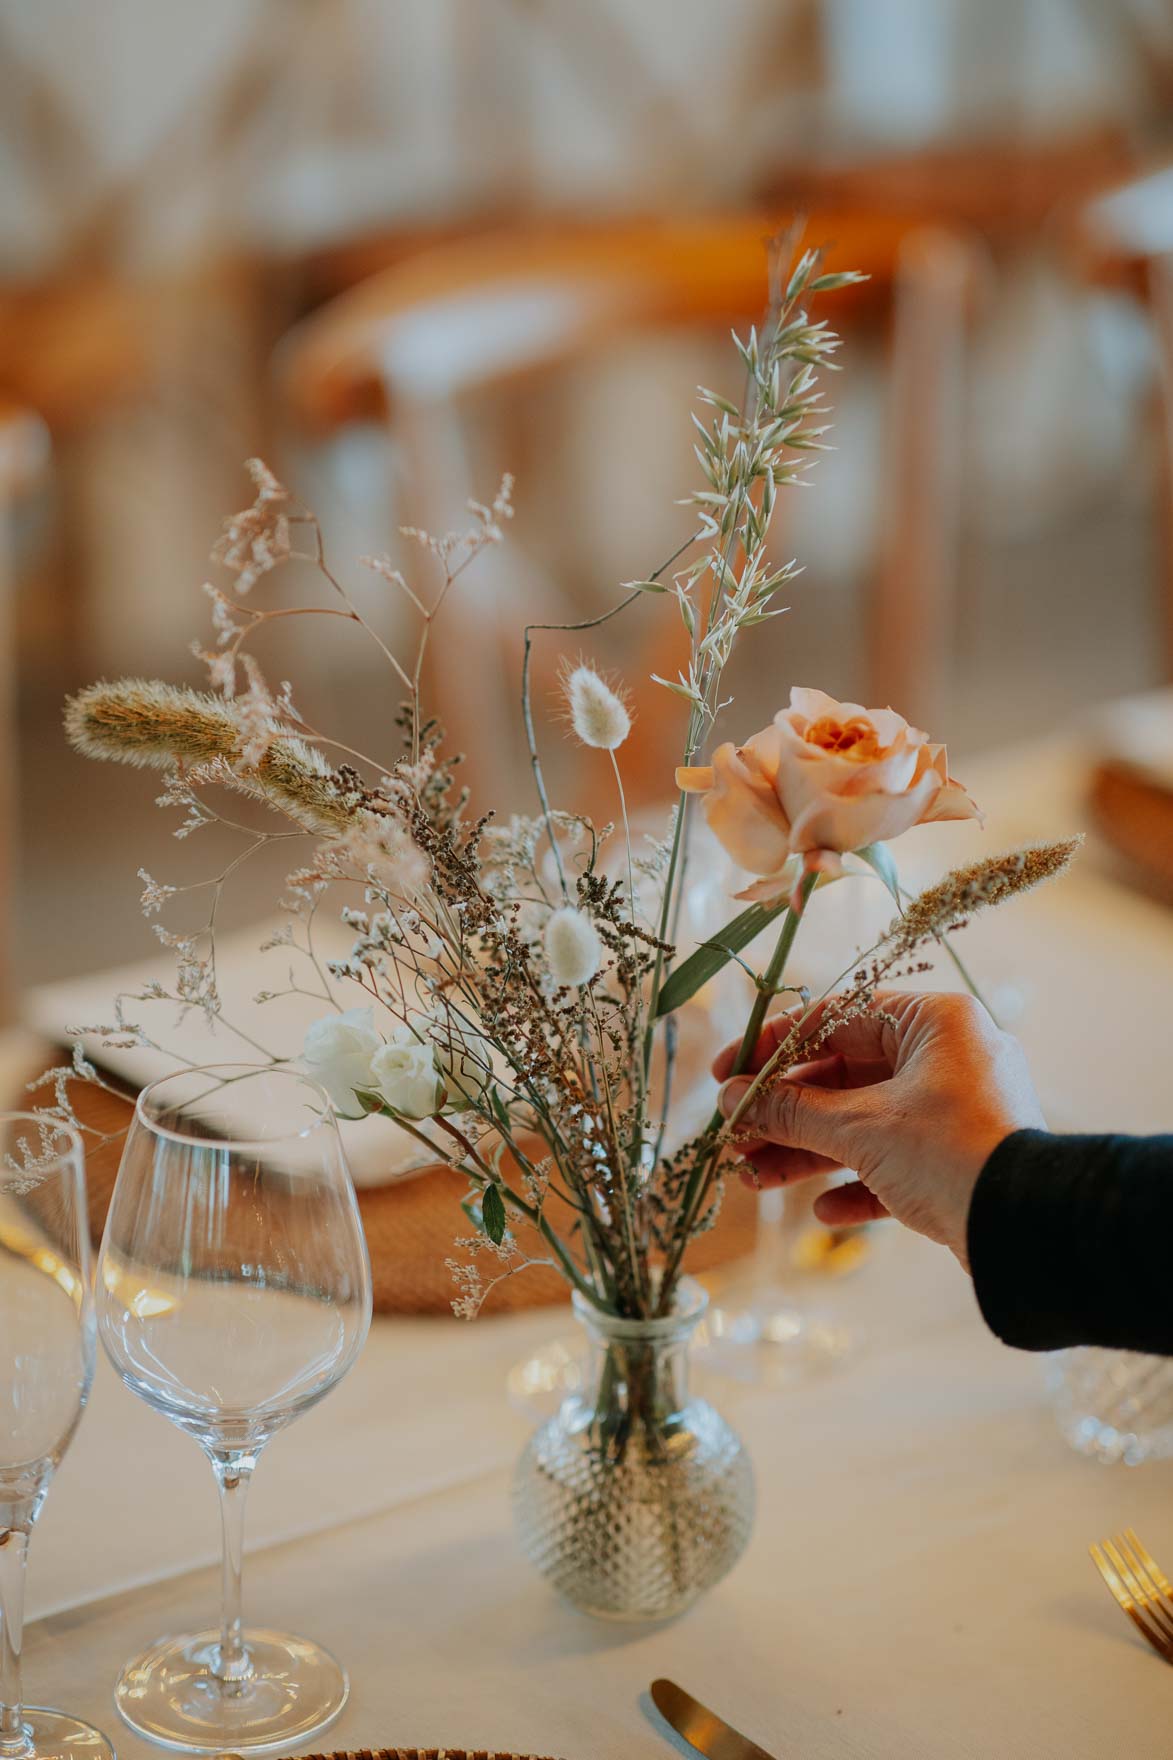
x=823, y=779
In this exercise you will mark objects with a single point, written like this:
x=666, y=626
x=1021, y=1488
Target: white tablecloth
x=918, y=1586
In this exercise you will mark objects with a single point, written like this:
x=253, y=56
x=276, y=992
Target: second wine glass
x=234, y=1291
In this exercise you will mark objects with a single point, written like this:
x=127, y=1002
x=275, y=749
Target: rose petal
x=812, y=705
x=841, y=823
x=746, y=815
x=952, y=802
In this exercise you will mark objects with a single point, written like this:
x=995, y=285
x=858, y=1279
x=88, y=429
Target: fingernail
x=731, y=1094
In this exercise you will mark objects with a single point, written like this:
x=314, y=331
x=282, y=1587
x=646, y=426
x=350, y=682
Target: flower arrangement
x=518, y=992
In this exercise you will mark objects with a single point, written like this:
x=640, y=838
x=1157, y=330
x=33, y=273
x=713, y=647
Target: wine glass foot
x=772, y=1345
x=171, y=1695
x=54, y=1735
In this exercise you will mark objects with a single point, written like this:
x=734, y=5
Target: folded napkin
x=1137, y=732
x=1131, y=786
x=377, y=1150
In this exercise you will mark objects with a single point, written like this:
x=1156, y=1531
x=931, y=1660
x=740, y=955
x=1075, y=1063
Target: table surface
x=918, y=1585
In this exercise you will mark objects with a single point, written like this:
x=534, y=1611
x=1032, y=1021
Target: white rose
x=404, y=1075
x=337, y=1052
x=465, y=1061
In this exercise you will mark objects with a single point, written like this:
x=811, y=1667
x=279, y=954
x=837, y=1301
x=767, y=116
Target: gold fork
x=1140, y=1587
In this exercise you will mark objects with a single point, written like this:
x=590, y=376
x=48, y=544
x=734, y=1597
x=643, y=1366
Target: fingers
x=775, y=1165
x=848, y=1206
x=772, y=1034
x=832, y=1072
x=823, y=1120
x=769, y=1165
x=838, y=1071
x=865, y=1037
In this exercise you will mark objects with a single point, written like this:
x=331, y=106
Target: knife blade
x=707, y=1732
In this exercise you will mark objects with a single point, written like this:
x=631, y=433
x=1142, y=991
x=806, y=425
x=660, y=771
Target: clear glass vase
x=1114, y=1405
x=636, y=1497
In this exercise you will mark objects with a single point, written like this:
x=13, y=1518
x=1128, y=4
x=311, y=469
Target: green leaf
x=493, y=1215
x=712, y=955
x=500, y=1111
x=879, y=858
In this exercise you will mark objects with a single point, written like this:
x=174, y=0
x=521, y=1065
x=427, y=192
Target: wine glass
x=234, y=1291
x=777, y=1322
x=46, y=1371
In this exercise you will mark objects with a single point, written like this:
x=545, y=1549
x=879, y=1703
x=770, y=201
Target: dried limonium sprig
x=503, y=987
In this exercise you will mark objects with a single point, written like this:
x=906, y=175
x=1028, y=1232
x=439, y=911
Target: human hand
x=914, y=1100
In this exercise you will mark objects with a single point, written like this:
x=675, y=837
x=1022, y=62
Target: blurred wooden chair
x=1122, y=240
x=1003, y=189
x=24, y=452
x=410, y=345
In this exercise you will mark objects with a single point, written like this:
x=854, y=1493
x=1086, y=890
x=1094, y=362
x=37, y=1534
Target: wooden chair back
x=408, y=345
x=1122, y=239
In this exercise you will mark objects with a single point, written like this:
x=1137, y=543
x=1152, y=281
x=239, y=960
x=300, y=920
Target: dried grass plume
x=154, y=725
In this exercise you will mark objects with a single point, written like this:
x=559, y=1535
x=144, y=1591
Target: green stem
x=700, y=1178
x=665, y=918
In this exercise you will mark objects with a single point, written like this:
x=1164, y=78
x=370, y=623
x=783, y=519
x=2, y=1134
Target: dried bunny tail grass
x=154, y=725
x=145, y=722
x=599, y=714
x=955, y=898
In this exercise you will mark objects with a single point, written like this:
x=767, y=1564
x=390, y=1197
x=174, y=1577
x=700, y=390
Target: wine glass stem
x=234, y=1472
x=770, y=1256
x=14, y=1542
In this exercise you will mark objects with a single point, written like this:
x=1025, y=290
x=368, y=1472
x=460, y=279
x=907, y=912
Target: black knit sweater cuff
x=1068, y=1240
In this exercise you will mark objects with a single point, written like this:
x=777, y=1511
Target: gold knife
x=707, y=1732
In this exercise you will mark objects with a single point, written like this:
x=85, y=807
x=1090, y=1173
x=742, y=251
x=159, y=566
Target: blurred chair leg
x=8, y=828
x=24, y=450
x=915, y=594
x=1161, y=300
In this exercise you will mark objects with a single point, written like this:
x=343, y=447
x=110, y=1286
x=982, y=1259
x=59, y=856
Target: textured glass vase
x=636, y=1497
x=1114, y=1405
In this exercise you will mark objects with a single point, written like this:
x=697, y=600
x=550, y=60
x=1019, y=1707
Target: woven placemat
x=411, y=1224
x=421, y=1754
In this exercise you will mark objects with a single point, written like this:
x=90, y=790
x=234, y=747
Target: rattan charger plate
x=410, y=1226
x=421, y=1754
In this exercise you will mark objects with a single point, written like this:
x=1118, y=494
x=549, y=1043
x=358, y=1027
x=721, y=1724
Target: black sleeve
x=1069, y=1241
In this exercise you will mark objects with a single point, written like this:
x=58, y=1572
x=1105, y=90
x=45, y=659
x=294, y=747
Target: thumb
x=822, y=1120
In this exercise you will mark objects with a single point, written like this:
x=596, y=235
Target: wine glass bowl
x=233, y=1293
x=46, y=1370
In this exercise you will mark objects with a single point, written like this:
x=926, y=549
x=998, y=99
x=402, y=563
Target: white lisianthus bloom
x=405, y=1076
x=573, y=950
x=337, y=1052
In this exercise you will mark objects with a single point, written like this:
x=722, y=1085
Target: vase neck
x=641, y=1366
